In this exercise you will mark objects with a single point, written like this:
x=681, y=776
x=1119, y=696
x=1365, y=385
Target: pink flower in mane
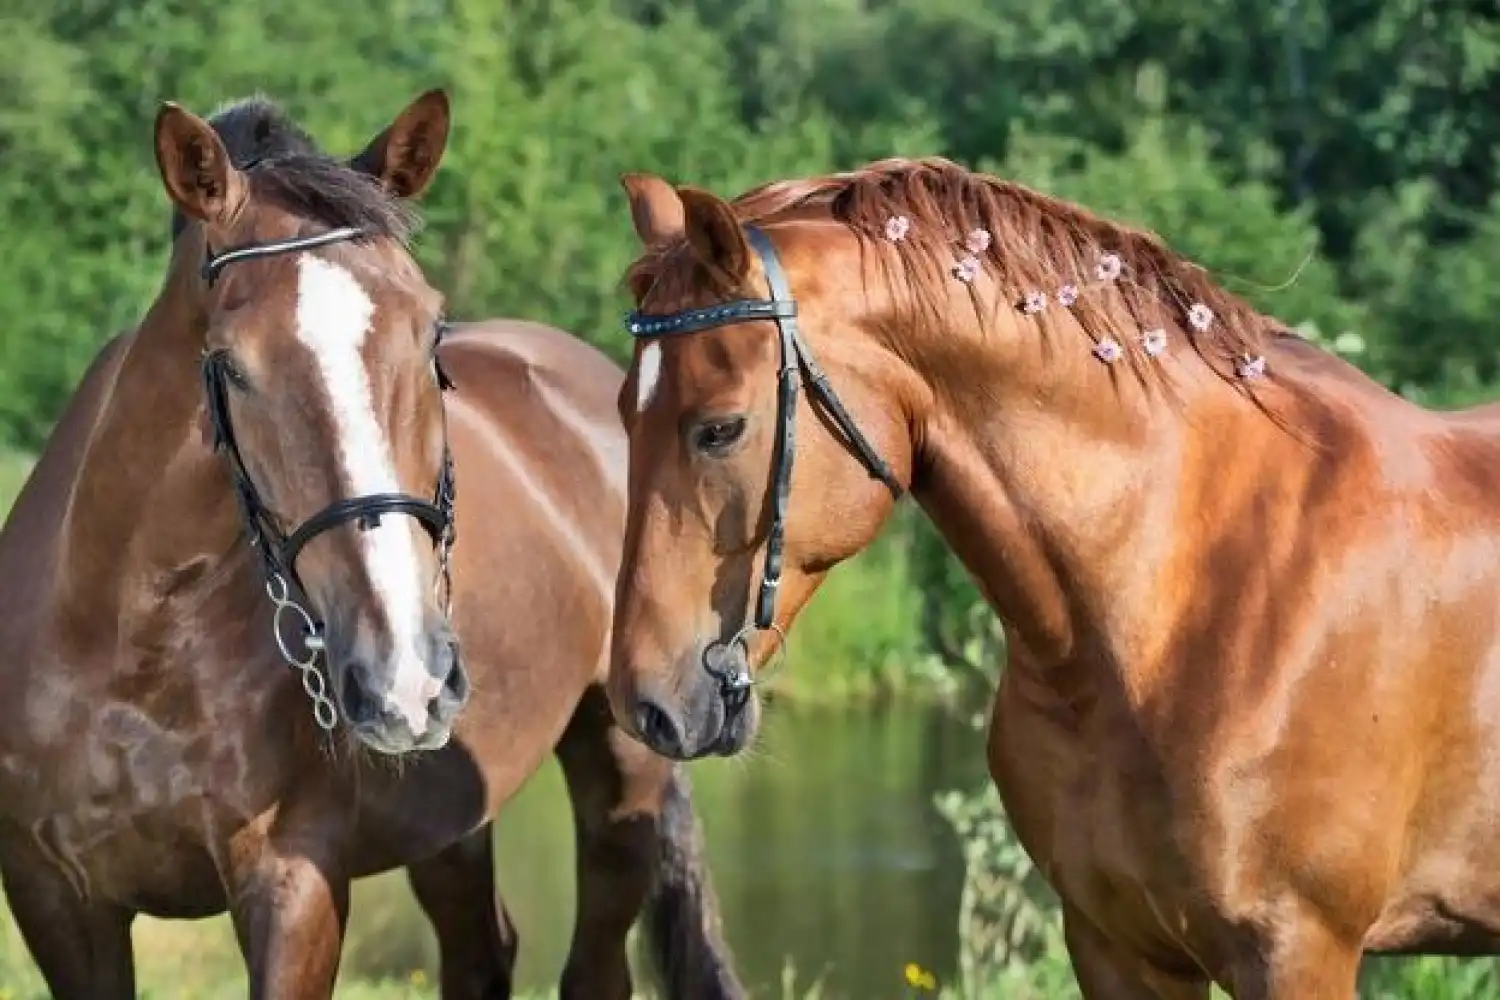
x=967, y=268
x=1200, y=317
x=1250, y=368
x=1109, y=350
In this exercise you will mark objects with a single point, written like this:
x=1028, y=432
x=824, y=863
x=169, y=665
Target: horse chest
x=128, y=803
x=125, y=818
x=1072, y=792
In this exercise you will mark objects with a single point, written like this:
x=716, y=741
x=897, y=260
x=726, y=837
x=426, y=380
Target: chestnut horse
x=1247, y=726
x=261, y=477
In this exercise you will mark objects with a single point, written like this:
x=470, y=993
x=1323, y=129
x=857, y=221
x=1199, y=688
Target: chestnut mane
x=1037, y=244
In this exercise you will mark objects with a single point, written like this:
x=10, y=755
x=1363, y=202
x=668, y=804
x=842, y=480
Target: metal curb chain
x=324, y=711
x=445, y=569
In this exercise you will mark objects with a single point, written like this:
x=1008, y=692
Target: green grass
x=194, y=979
x=182, y=960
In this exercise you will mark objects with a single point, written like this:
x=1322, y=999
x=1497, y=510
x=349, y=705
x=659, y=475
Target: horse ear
x=715, y=234
x=195, y=166
x=406, y=155
x=655, y=208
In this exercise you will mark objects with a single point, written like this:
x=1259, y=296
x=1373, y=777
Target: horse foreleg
x=476, y=939
x=289, y=909
x=1106, y=972
x=682, y=922
x=83, y=949
x=637, y=846
x=1299, y=959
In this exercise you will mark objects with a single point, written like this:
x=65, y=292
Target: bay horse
x=236, y=582
x=1247, y=729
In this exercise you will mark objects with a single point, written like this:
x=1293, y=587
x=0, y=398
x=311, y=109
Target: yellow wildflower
x=919, y=978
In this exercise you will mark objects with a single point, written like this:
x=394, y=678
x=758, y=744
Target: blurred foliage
x=1337, y=163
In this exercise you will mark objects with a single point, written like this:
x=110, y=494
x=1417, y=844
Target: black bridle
x=279, y=551
x=796, y=360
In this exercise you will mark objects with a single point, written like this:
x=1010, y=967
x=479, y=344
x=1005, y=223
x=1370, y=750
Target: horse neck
x=146, y=500
x=1067, y=498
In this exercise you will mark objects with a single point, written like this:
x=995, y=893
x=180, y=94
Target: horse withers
x=306, y=583
x=1249, y=595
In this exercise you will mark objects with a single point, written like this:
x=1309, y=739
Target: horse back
x=540, y=463
x=547, y=399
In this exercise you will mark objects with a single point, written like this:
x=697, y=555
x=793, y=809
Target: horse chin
x=398, y=741
x=437, y=737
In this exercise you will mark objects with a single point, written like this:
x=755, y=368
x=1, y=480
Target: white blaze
x=647, y=375
x=333, y=319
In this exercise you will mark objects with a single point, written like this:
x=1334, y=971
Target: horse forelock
x=286, y=168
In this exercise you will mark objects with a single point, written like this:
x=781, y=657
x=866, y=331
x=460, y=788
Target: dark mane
x=1039, y=243
x=286, y=168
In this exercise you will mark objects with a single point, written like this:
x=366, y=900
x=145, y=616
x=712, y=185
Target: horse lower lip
x=381, y=744
x=726, y=745
x=730, y=739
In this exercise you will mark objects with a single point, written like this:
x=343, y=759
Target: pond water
x=825, y=849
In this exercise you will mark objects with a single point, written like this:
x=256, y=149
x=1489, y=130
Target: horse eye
x=233, y=374
x=715, y=437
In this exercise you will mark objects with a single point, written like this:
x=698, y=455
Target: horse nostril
x=456, y=680
x=658, y=728
x=360, y=706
